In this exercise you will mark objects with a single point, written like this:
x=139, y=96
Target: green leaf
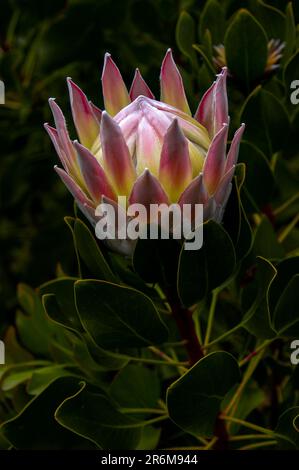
x=200, y=271
x=235, y=220
x=59, y=302
x=41, y=378
x=291, y=71
x=245, y=47
x=93, y=417
x=213, y=19
x=136, y=386
x=286, y=270
x=185, y=35
x=70, y=222
x=157, y=260
x=285, y=317
x=265, y=241
x=287, y=429
x=255, y=301
x=90, y=252
x=35, y=329
x=150, y=437
x=89, y=356
x=82, y=347
x=267, y=122
x=123, y=268
x=290, y=33
x=208, y=44
x=272, y=19
x=194, y=400
x=24, y=431
x=14, y=378
x=27, y=299
x=117, y=316
x=209, y=65
x=260, y=190
x=251, y=398
x=14, y=352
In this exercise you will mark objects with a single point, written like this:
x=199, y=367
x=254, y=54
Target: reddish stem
x=186, y=327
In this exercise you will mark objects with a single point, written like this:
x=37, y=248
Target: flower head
x=275, y=48
x=147, y=150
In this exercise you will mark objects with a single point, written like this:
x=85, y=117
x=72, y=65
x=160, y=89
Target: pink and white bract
x=147, y=150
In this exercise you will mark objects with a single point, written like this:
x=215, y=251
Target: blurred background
x=41, y=43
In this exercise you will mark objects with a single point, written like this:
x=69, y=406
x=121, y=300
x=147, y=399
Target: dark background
x=41, y=43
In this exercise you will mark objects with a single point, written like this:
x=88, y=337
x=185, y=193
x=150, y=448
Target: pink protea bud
x=87, y=124
x=147, y=150
x=139, y=87
x=116, y=156
x=172, y=87
x=147, y=190
x=114, y=90
x=175, y=165
x=212, y=111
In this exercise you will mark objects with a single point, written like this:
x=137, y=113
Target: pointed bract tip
x=107, y=58
x=105, y=115
x=223, y=74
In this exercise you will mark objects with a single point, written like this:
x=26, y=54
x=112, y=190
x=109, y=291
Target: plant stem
x=288, y=229
x=145, y=360
x=220, y=431
x=181, y=366
x=202, y=440
x=211, y=316
x=225, y=335
x=211, y=443
x=256, y=445
x=249, y=371
x=149, y=421
x=161, y=354
x=248, y=425
x=248, y=437
x=183, y=448
x=255, y=352
x=156, y=411
x=197, y=324
x=181, y=370
x=286, y=204
x=186, y=327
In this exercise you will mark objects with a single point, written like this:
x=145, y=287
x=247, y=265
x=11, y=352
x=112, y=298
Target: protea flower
x=147, y=150
x=275, y=48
